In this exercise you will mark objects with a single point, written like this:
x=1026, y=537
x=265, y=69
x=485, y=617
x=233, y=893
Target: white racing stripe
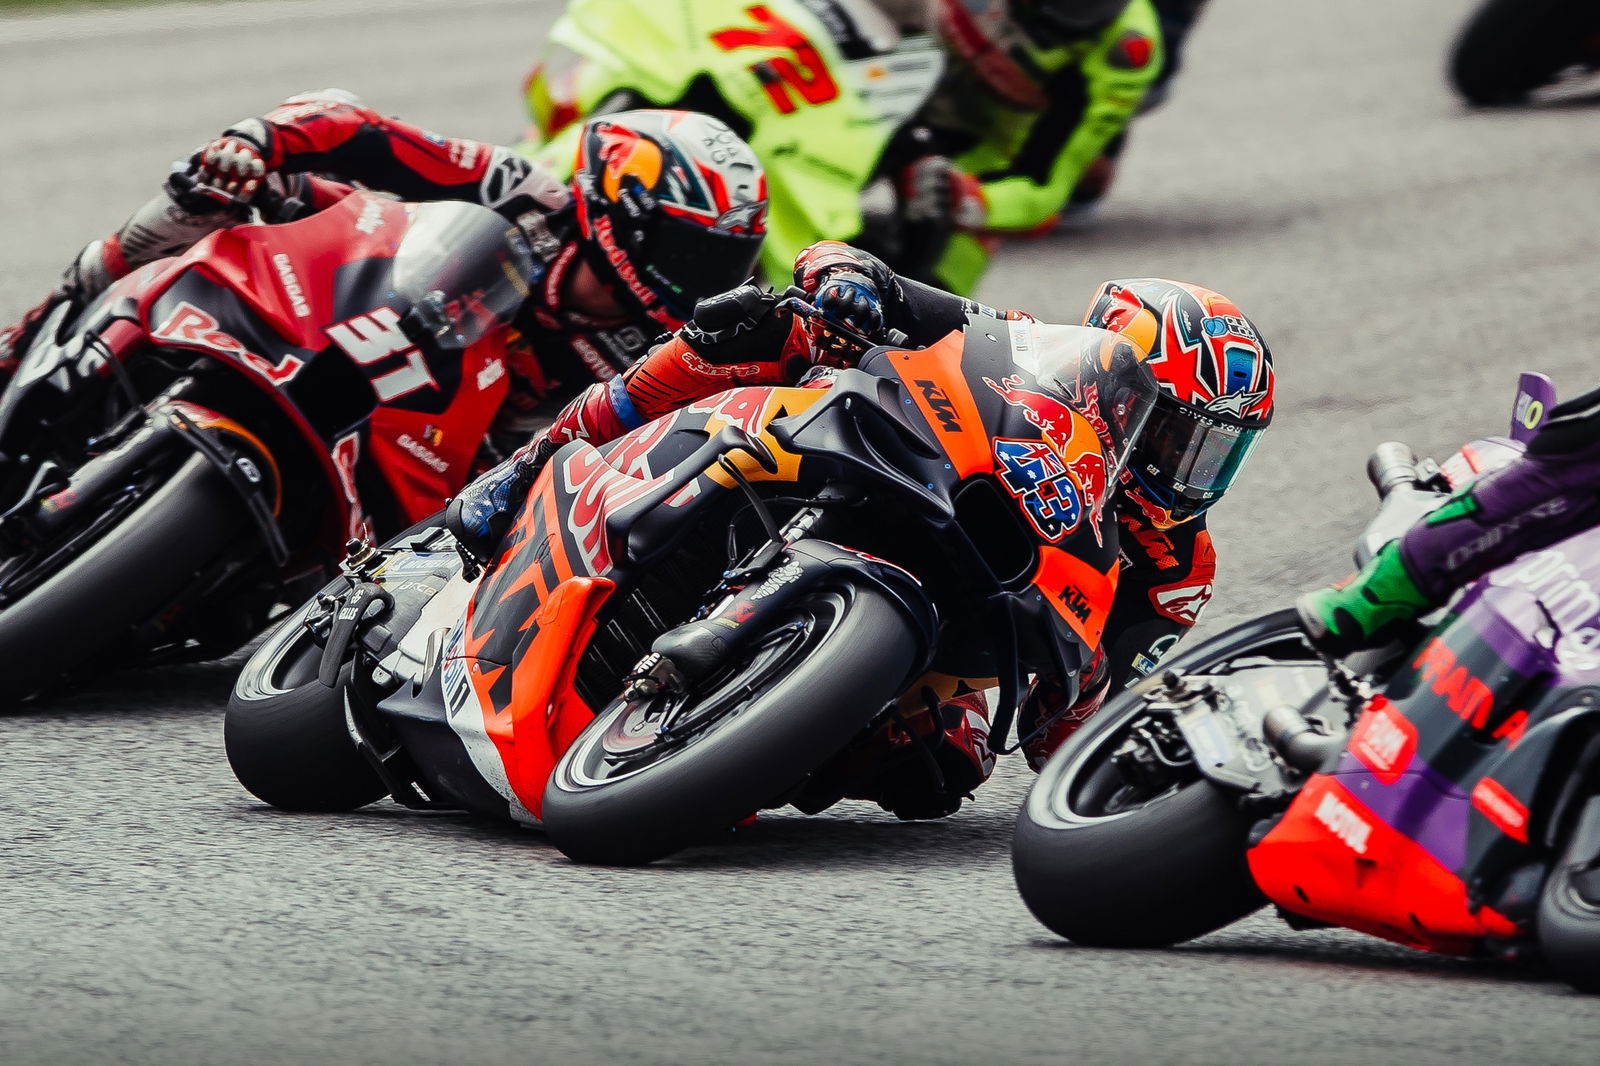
x=98, y=23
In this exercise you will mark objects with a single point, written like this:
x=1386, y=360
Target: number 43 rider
x=1216, y=398
x=664, y=208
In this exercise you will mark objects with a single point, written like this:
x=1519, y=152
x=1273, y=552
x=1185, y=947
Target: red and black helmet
x=672, y=206
x=1216, y=379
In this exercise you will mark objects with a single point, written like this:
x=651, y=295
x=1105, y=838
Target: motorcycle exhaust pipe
x=1300, y=743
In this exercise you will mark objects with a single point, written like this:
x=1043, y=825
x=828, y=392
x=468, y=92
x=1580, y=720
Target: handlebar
x=1393, y=465
x=797, y=305
x=188, y=193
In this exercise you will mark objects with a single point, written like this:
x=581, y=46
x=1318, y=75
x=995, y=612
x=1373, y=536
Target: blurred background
x=1405, y=255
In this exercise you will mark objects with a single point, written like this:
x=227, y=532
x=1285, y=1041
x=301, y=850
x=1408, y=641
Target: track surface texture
x=1404, y=256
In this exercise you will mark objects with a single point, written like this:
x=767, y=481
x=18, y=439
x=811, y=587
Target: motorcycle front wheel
x=285, y=732
x=68, y=622
x=626, y=793
x=1105, y=862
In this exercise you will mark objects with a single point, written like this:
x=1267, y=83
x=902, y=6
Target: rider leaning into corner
x=617, y=263
x=1547, y=495
x=1216, y=398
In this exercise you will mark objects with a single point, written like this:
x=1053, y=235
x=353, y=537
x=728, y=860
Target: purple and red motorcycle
x=1443, y=792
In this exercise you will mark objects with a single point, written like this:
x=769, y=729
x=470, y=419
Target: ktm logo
x=943, y=409
x=1076, y=602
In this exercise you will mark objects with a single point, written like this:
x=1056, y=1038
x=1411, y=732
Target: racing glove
x=236, y=162
x=933, y=190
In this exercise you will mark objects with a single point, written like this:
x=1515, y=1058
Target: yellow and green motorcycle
x=825, y=91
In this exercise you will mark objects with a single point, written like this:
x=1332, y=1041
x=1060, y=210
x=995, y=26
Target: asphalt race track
x=1405, y=257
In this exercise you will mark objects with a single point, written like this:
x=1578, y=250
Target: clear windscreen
x=476, y=260
x=1099, y=374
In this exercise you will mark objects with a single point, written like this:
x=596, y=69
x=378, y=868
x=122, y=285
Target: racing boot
x=936, y=759
x=480, y=516
x=1041, y=722
x=1366, y=611
x=16, y=338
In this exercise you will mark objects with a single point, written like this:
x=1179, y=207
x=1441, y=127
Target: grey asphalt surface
x=1405, y=258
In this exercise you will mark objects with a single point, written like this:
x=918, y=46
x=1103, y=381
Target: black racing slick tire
x=784, y=706
x=1511, y=47
x=1104, y=865
x=285, y=731
x=68, y=625
x=1569, y=907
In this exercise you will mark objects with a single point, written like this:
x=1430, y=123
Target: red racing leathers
x=1166, y=576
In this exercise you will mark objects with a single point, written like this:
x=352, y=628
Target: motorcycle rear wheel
x=1511, y=47
x=61, y=627
x=1103, y=865
x=788, y=703
x=1569, y=908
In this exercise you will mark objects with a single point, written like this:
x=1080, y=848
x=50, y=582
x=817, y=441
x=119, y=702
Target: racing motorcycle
x=1442, y=793
x=198, y=443
x=823, y=90
x=1510, y=48
x=712, y=614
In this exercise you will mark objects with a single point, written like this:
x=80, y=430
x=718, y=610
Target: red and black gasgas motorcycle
x=176, y=455
x=1442, y=793
x=697, y=620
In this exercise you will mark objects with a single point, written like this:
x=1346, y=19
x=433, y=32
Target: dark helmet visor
x=1190, y=455
x=683, y=262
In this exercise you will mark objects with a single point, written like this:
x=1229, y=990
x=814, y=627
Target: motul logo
x=1340, y=819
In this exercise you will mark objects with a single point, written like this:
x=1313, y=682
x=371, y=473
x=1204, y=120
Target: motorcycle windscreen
x=464, y=267
x=1102, y=376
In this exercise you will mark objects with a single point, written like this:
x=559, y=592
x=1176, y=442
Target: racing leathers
x=330, y=133
x=1028, y=121
x=742, y=338
x=1549, y=494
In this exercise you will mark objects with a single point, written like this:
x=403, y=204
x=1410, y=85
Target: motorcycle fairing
x=974, y=395
x=775, y=66
x=1448, y=774
x=564, y=558
x=313, y=312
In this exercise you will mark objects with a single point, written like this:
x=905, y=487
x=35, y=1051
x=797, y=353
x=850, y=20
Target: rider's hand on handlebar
x=934, y=190
x=232, y=165
x=850, y=299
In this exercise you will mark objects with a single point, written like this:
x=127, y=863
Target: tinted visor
x=1193, y=457
x=684, y=262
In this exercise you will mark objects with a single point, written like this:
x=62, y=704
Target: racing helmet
x=672, y=207
x=995, y=38
x=1216, y=380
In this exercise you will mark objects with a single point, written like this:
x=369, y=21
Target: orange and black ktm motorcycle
x=706, y=616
